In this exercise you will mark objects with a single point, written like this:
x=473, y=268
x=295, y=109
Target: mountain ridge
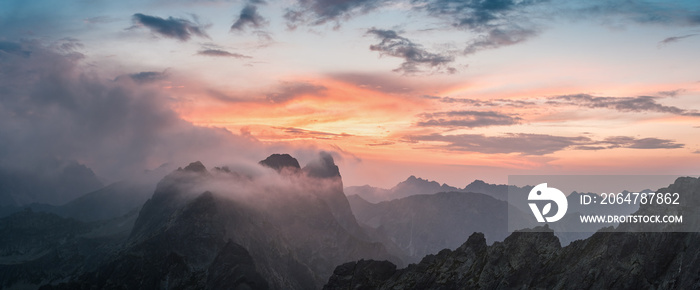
x=287, y=226
x=535, y=259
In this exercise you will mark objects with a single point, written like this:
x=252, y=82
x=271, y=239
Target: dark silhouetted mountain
x=369, y=193
x=196, y=167
x=54, y=182
x=427, y=223
x=38, y=248
x=324, y=167
x=497, y=191
x=210, y=229
x=528, y=259
x=280, y=161
x=112, y=201
x=414, y=185
x=411, y=186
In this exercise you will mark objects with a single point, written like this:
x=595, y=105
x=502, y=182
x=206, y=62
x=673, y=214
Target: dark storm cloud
x=415, y=57
x=178, y=28
x=467, y=119
x=249, y=17
x=292, y=90
x=221, y=53
x=623, y=104
x=675, y=39
x=538, y=144
x=50, y=108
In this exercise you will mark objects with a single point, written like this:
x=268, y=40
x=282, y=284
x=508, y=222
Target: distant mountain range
x=378, y=215
x=427, y=223
x=416, y=185
x=54, y=182
x=535, y=259
x=289, y=227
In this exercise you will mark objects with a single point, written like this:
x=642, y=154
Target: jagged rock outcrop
x=534, y=259
x=280, y=161
x=214, y=228
x=324, y=167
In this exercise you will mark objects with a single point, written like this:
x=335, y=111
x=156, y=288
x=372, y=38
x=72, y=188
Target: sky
x=446, y=90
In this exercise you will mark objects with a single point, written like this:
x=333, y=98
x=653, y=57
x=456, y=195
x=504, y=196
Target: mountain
x=53, y=182
x=416, y=185
x=427, y=223
x=109, y=202
x=284, y=229
x=38, y=248
x=411, y=186
x=497, y=191
x=369, y=193
x=610, y=259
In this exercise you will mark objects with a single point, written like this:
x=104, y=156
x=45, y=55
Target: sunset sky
x=446, y=90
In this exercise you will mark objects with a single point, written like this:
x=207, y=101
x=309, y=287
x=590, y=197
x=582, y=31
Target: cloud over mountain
x=52, y=108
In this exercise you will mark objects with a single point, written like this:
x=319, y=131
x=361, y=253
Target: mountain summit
x=280, y=161
x=218, y=229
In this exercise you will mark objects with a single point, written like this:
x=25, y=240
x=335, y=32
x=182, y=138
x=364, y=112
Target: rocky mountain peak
x=417, y=180
x=196, y=167
x=324, y=167
x=477, y=182
x=280, y=161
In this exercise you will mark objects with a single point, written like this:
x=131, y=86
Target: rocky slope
x=535, y=259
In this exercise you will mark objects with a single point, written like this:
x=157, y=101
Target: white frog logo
x=542, y=192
